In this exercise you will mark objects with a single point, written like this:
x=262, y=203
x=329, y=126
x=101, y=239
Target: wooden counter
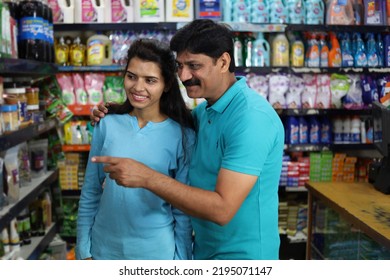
x=359, y=203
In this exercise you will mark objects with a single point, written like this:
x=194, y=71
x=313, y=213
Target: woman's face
x=144, y=84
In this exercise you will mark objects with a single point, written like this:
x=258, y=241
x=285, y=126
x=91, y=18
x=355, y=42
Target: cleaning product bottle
x=63, y=10
x=149, y=11
x=260, y=51
x=211, y=9
x=334, y=59
x=118, y=11
x=297, y=52
x=380, y=49
x=248, y=48
x=360, y=58
x=346, y=51
x=280, y=51
x=61, y=52
x=179, y=10
x=89, y=11
x=340, y=12
x=99, y=50
x=259, y=11
x=240, y=11
x=372, y=54
x=387, y=50
x=227, y=10
x=238, y=50
x=77, y=53
x=313, y=52
x=324, y=51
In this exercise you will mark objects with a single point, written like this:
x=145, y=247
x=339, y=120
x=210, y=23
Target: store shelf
x=26, y=67
x=38, y=244
x=14, y=138
x=102, y=68
x=323, y=112
x=311, y=70
x=27, y=195
x=338, y=28
x=76, y=148
x=326, y=147
x=132, y=26
x=81, y=110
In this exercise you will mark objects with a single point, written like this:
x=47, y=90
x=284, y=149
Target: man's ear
x=225, y=60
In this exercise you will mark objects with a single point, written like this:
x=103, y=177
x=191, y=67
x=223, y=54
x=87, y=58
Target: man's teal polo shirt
x=243, y=133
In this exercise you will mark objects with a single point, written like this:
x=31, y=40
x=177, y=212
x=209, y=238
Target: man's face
x=201, y=75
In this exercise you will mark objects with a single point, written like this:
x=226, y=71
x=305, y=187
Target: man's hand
x=125, y=171
x=98, y=113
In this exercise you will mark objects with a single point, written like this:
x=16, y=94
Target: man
x=237, y=159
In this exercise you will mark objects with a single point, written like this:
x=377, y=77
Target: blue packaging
x=386, y=51
x=303, y=131
x=314, y=130
x=211, y=9
x=326, y=133
x=292, y=130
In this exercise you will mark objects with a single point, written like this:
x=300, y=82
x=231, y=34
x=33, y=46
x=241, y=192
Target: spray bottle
x=346, y=51
x=334, y=59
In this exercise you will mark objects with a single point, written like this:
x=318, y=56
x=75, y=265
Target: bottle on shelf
x=61, y=52
x=77, y=53
x=260, y=52
x=280, y=51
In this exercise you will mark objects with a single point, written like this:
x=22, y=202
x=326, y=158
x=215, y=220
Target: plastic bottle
x=240, y=11
x=337, y=131
x=360, y=58
x=314, y=130
x=99, y=50
x=380, y=49
x=303, y=131
x=363, y=132
x=89, y=11
x=118, y=11
x=238, y=50
x=346, y=130
x=210, y=9
x=259, y=11
x=386, y=50
x=346, y=51
x=325, y=131
x=61, y=52
x=355, y=130
x=334, y=59
x=260, y=52
x=340, y=12
x=297, y=52
x=226, y=8
x=324, y=51
x=372, y=54
x=31, y=45
x=63, y=10
x=77, y=53
x=280, y=51
x=313, y=52
x=248, y=49
x=11, y=37
x=149, y=11
x=179, y=10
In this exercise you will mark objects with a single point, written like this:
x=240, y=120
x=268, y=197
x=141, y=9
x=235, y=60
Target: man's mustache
x=192, y=82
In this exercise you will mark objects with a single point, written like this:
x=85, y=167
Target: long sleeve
x=90, y=197
x=183, y=227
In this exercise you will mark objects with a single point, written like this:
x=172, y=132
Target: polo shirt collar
x=224, y=101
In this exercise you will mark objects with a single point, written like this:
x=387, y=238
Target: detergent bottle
x=360, y=58
x=118, y=11
x=297, y=52
x=88, y=11
x=280, y=51
x=99, y=50
x=260, y=51
x=63, y=10
x=334, y=59
x=313, y=52
x=179, y=10
x=149, y=10
x=346, y=51
x=324, y=51
x=340, y=12
x=372, y=53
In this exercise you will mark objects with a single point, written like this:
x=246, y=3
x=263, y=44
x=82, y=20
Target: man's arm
x=218, y=206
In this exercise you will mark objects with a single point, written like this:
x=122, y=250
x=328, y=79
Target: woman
x=155, y=127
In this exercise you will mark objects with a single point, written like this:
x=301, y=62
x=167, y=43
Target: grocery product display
x=323, y=66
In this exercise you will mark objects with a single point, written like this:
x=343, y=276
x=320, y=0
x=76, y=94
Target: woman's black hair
x=172, y=103
x=205, y=36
